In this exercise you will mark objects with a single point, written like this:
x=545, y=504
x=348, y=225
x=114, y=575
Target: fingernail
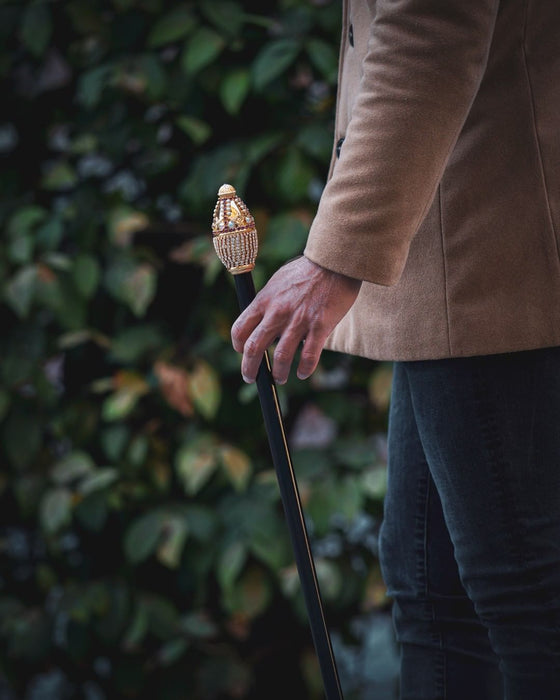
x=246, y=379
x=302, y=376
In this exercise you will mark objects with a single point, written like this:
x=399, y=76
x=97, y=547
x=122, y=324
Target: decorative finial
x=234, y=233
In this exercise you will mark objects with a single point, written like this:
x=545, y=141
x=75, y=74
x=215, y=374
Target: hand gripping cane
x=236, y=243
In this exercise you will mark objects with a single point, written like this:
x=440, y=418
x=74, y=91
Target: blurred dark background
x=143, y=552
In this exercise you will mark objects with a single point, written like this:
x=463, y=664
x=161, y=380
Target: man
x=436, y=245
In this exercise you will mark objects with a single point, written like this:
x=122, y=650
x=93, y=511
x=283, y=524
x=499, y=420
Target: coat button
x=339, y=146
x=351, y=35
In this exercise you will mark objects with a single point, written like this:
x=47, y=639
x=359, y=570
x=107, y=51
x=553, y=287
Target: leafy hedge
x=142, y=545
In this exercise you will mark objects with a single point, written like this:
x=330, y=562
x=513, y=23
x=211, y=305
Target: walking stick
x=236, y=243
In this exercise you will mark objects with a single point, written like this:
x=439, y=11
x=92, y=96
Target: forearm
x=421, y=73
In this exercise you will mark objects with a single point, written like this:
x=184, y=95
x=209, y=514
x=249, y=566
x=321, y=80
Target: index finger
x=244, y=325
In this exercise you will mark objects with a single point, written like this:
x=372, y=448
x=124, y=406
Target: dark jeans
x=470, y=544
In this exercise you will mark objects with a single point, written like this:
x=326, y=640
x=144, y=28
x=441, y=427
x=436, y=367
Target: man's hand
x=302, y=302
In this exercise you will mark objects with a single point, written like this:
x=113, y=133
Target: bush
x=143, y=548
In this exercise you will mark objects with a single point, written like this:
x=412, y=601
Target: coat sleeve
x=423, y=67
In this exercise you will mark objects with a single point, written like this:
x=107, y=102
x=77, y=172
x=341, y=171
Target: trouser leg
x=489, y=431
x=445, y=652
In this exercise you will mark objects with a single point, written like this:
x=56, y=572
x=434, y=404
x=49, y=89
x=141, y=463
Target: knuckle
x=307, y=363
x=282, y=355
x=252, y=348
x=308, y=355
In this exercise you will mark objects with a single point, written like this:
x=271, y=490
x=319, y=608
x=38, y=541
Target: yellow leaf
x=251, y=595
x=124, y=222
x=205, y=389
x=375, y=593
x=131, y=381
x=119, y=404
x=195, y=465
x=237, y=466
x=380, y=386
x=173, y=536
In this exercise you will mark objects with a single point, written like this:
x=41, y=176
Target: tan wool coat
x=446, y=196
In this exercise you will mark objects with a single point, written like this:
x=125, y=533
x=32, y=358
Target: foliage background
x=142, y=546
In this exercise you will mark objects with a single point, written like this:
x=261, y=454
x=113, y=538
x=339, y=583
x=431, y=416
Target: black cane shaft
x=292, y=508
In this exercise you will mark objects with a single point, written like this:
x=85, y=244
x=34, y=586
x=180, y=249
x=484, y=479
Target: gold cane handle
x=234, y=233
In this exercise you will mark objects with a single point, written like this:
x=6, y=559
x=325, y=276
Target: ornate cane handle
x=234, y=233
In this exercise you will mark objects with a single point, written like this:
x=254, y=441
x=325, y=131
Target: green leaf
x=172, y=651
x=56, y=510
x=58, y=261
x=59, y=176
x=100, y=479
x=163, y=617
x=260, y=146
x=294, y=173
x=22, y=435
x=269, y=542
x=324, y=57
x=112, y=612
x=155, y=76
x=234, y=89
x=201, y=49
x=137, y=630
x=285, y=237
x=91, y=85
x=315, y=140
x=135, y=284
x=329, y=577
x=374, y=482
x=138, y=450
x=351, y=497
x=195, y=464
x=119, y=404
x=36, y=28
x=199, y=625
x=322, y=504
x=20, y=248
x=20, y=290
x=131, y=344
x=23, y=348
x=230, y=564
x=202, y=522
x=273, y=60
x=30, y=638
x=174, y=25
x=74, y=466
x=86, y=274
x=25, y=220
x=143, y=536
x=84, y=143
x=113, y=441
x=92, y=512
x=196, y=129
x=226, y=15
